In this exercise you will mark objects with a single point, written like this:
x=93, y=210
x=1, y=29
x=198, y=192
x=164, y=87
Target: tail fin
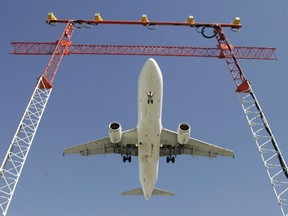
x=139, y=191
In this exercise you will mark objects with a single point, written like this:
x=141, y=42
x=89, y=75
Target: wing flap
x=104, y=146
x=194, y=147
x=101, y=146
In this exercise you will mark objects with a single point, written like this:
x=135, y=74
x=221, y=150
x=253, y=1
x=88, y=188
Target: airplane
x=149, y=140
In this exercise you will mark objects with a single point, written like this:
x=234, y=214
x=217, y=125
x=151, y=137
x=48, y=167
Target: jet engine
x=115, y=132
x=183, y=133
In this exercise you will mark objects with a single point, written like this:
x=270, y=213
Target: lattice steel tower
x=268, y=148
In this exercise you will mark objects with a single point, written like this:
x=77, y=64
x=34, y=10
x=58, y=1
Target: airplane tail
x=160, y=192
x=139, y=191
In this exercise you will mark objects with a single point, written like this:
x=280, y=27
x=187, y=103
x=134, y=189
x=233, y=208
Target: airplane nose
x=151, y=61
x=151, y=65
x=151, y=69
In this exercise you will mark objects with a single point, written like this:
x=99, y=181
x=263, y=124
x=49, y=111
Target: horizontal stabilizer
x=139, y=191
x=133, y=192
x=160, y=192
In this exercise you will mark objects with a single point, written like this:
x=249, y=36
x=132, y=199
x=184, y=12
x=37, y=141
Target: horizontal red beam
x=47, y=48
x=148, y=23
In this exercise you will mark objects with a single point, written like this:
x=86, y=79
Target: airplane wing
x=104, y=146
x=170, y=146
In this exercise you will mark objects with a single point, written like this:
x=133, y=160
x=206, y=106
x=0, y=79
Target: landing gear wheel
x=170, y=158
x=167, y=159
x=173, y=159
x=127, y=158
x=124, y=159
x=150, y=101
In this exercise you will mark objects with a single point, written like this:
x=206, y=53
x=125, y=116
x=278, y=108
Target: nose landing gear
x=150, y=97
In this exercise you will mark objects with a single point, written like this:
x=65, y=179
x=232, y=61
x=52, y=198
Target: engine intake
x=115, y=132
x=183, y=133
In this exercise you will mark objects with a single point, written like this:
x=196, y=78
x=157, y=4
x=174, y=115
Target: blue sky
x=91, y=91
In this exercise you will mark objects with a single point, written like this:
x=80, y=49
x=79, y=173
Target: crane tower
x=267, y=146
x=17, y=153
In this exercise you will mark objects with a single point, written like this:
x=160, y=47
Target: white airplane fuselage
x=149, y=127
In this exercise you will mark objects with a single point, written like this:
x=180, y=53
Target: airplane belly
x=149, y=125
x=149, y=131
x=148, y=166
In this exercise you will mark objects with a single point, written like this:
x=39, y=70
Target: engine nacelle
x=115, y=132
x=183, y=133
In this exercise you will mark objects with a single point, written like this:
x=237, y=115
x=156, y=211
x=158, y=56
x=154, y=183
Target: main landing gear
x=127, y=158
x=170, y=158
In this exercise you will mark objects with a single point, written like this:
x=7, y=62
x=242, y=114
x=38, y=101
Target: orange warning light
x=98, y=17
x=51, y=16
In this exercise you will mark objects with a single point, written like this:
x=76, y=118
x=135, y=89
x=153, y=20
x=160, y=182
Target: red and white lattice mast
x=17, y=153
x=268, y=148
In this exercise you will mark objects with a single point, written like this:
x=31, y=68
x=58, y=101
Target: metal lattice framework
x=17, y=153
x=268, y=148
x=266, y=143
x=47, y=48
x=15, y=158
